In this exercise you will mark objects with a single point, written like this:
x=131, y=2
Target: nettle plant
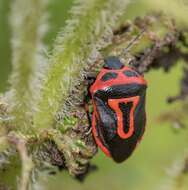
x=42, y=117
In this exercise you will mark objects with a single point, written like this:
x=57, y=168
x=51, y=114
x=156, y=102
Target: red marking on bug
x=114, y=104
x=121, y=79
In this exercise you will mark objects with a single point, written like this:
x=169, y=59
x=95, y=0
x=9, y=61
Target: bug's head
x=112, y=62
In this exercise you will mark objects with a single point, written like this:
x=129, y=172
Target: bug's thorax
x=118, y=77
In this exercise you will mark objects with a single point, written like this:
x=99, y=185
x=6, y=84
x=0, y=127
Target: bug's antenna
x=132, y=42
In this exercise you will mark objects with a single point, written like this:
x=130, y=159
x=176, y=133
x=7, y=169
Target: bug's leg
x=90, y=79
x=87, y=97
x=89, y=115
x=88, y=132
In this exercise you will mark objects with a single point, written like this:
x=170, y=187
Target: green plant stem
x=27, y=32
x=90, y=22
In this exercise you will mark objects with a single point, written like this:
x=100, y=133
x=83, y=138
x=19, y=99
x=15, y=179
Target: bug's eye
x=108, y=76
x=130, y=74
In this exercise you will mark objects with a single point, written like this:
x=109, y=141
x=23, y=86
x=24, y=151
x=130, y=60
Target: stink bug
x=118, y=119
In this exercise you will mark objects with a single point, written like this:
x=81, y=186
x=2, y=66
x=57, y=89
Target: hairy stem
x=27, y=32
x=27, y=165
x=91, y=21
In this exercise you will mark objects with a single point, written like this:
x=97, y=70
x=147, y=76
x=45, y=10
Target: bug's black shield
x=119, y=148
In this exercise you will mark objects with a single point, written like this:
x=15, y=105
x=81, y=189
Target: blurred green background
x=161, y=146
